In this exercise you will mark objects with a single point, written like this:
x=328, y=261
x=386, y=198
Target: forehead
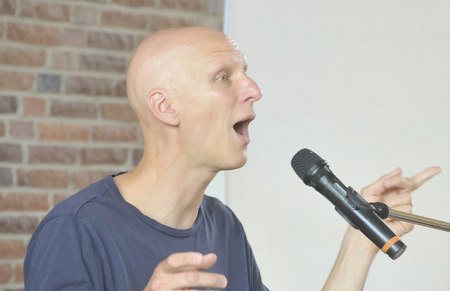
x=223, y=53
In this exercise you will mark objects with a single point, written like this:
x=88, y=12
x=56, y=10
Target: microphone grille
x=303, y=161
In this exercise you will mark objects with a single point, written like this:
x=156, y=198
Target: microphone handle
x=420, y=220
x=384, y=211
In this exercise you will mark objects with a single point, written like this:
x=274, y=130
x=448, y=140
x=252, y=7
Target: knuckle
x=157, y=283
x=192, y=277
x=171, y=260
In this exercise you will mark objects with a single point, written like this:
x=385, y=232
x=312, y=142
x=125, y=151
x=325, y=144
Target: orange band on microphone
x=390, y=242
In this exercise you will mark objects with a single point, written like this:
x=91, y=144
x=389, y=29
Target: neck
x=168, y=191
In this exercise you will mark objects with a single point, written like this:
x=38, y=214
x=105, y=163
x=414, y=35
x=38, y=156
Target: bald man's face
x=215, y=103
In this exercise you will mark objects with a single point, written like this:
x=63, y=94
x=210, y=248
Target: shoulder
x=69, y=208
x=67, y=225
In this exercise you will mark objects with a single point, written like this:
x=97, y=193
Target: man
x=153, y=228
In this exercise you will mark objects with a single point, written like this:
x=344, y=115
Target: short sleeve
x=61, y=256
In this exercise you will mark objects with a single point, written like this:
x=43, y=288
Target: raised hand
x=184, y=270
x=395, y=191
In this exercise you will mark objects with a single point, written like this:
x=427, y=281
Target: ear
x=161, y=107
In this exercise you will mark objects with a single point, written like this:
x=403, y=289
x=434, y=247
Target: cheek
x=210, y=110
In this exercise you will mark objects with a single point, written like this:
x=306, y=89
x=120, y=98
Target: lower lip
x=243, y=138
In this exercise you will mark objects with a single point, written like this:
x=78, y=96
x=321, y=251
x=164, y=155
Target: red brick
x=12, y=249
x=34, y=33
x=8, y=7
x=159, y=22
x=183, y=5
x=75, y=109
x=6, y=273
x=63, y=60
x=48, y=11
x=89, y=86
x=11, y=80
x=42, y=178
x=105, y=63
x=6, y=178
x=73, y=37
x=2, y=129
x=122, y=112
x=59, y=197
x=21, y=129
x=8, y=104
x=138, y=3
x=34, y=106
x=141, y=37
x=110, y=41
x=10, y=153
x=82, y=179
x=18, y=224
x=63, y=132
x=114, y=133
x=22, y=57
x=24, y=202
x=52, y=155
x=86, y=15
x=92, y=156
x=19, y=273
x=120, y=89
x=124, y=19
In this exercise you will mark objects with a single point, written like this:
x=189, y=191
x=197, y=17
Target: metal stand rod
x=420, y=220
x=384, y=211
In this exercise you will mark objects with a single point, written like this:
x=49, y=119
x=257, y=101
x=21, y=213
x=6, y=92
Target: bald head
x=193, y=98
x=162, y=57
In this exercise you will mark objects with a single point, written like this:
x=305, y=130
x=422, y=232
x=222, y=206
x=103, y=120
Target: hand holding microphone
x=391, y=188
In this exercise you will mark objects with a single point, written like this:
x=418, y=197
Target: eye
x=222, y=78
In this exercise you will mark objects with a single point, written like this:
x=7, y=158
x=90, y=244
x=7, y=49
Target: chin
x=236, y=163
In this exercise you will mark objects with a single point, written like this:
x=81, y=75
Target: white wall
x=366, y=85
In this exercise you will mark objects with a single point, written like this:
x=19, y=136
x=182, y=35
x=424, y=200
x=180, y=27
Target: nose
x=252, y=92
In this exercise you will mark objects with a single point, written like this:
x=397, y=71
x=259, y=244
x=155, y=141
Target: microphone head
x=304, y=161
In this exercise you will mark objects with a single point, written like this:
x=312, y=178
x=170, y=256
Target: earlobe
x=161, y=107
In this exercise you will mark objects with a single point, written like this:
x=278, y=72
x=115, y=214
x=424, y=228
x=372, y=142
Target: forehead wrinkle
x=225, y=53
x=226, y=59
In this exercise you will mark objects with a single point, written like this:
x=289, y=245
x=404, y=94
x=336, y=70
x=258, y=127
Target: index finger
x=411, y=184
x=181, y=261
x=424, y=176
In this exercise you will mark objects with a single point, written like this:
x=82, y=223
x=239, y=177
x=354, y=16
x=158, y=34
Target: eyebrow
x=227, y=61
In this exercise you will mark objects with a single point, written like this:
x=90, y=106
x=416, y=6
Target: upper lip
x=244, y=121
x=249, y=118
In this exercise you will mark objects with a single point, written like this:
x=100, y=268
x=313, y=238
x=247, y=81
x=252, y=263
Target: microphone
x=315, y=172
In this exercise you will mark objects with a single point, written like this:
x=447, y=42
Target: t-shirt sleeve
x=61, y=256
x=254, y=276
x=254, y=273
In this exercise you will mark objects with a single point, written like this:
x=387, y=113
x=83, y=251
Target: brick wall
x=64, y=117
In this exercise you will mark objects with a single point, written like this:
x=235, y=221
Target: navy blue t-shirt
x=95, y=240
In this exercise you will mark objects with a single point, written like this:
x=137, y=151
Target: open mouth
x=241, y=128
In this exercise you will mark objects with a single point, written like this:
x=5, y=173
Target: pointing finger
x=425, y=175
x=411, y=184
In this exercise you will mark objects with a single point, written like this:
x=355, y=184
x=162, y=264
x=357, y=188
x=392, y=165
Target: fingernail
x=223, y=281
